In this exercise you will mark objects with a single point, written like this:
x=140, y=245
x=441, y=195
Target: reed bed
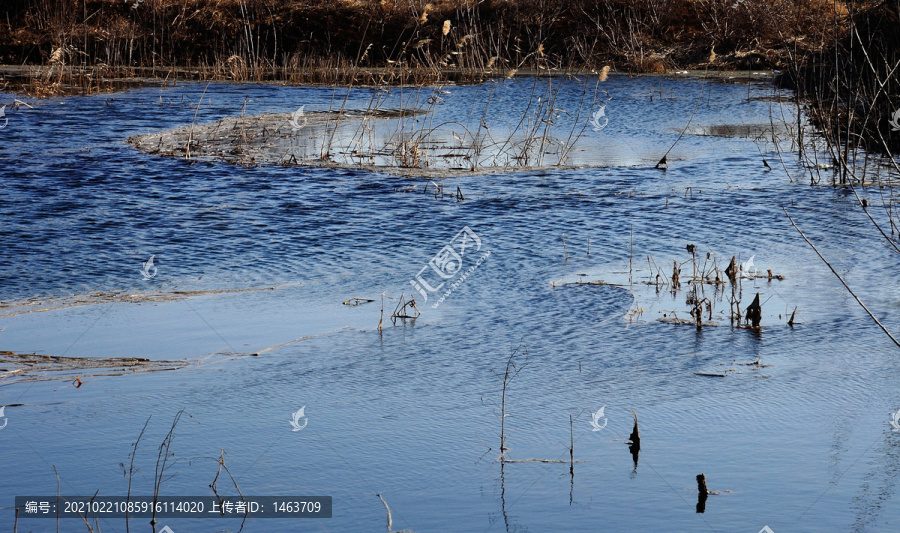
x=704, y=285
x=390, y=42
x=405, y=135
x=850, y=90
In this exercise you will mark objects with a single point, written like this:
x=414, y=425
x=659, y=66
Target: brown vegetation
x=853, y=88
x=393, y=41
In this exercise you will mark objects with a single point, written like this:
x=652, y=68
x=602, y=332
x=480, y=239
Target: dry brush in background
x=462, y=40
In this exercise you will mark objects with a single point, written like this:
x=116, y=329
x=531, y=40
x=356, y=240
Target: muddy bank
x=41, y=305
x=18, y=367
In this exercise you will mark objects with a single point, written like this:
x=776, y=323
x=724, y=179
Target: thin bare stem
x=841, y=279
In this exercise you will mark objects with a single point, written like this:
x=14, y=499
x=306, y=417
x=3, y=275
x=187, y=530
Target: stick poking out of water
x=732, y=271
x=880, y=325
x=664, y=163
x=635, y=436
x=702, y=492
x=388, y=509
x=701, y=483
x=187, y=151
x=571, y=447
x=753, y=314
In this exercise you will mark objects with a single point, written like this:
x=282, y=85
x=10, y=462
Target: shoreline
x=26, y=80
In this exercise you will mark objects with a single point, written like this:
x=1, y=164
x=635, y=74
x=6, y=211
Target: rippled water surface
x=799, y=442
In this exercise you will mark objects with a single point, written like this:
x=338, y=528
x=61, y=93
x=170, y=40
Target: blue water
x=412, y=412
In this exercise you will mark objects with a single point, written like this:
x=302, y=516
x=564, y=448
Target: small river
x=799, y=440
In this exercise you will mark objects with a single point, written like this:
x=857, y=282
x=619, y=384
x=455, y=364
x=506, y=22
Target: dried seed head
x=604, y=73
x=58, y=55
x=446, y=29
x=366, y=53
x=423, y=18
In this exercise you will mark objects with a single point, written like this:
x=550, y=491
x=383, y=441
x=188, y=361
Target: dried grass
x=319, y=42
